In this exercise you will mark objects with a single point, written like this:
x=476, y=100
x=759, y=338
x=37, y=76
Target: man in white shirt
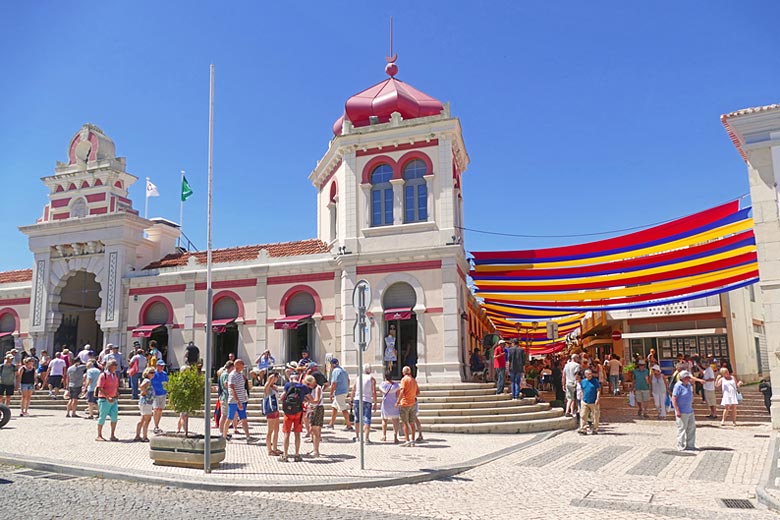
x=614, y=374
x=709, y=389
x=83, y=355
x=570, y=372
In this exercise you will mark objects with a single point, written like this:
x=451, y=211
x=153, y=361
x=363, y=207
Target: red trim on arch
x=300, y=278
x=400, y=147
x=9, y=310
x=376, y=161
x=334, y=191
x=300, y=288
x=230, y=294
x=410, y=156
x=151, y=301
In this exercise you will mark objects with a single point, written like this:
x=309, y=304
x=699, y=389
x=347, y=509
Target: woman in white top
x=658, y=387
x=730, y=386
x=389, y=408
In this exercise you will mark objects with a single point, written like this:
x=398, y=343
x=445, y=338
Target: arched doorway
x=398, y=301
x=225, y=331
x=78, y=303
x=7, y=328
x=155, y=315
x=298, y=325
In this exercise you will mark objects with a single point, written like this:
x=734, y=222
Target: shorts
x=26, y=387
x=223, y=408
x=293, y=423
x=106, y=409
x=91, y=396
x=571, y=391
x=7, y=390
x=272, y=415
x=642, y=396
x=408, y=414
x=366, y=411
x=317, y=416
x=709, y=396
x=233, y=410
x=146, y=409
x=74, y=391
x=55, y=381
x=340, y=402
x=160, y=401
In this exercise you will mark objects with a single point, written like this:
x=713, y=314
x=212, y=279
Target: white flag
x=151, y=189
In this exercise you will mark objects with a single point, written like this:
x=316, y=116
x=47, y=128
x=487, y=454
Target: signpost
x=552, y=330
x=617, y=335
x=361, y=334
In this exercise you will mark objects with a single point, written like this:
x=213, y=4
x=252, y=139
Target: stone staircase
x=444, y=408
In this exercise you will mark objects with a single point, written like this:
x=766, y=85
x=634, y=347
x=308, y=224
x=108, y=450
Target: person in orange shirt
x=407, y=400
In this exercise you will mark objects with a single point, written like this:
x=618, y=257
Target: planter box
x=177, y=450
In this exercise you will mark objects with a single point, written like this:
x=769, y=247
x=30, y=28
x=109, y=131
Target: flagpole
x=146, y=206
x=209, y=291
x=181, y=208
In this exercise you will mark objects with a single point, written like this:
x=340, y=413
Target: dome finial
x=391, y=68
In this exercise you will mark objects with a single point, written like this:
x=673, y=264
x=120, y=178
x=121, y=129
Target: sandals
x=113, y=439
x=283, y=458
x=297, y=458
x=138, y=439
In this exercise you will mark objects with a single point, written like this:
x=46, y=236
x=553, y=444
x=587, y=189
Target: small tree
x=185, y=392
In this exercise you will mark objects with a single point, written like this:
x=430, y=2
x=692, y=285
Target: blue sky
x=579, y=117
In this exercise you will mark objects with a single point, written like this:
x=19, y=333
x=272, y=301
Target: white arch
x=387, y=281
x=62, y=270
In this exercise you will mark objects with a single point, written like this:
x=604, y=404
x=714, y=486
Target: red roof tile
x=22, y=275
x=244, y=253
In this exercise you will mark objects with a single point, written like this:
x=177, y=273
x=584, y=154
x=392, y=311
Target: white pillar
x=398, y=201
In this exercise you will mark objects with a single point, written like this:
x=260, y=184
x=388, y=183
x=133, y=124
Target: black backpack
x=293, y=402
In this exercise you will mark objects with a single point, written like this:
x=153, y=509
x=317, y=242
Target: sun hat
x=642, y=362
x=293, y=365
x=656, y=367
x=684, y=374
x=160, y=363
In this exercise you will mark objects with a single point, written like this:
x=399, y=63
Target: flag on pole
x=151, y=189
x=186, y=190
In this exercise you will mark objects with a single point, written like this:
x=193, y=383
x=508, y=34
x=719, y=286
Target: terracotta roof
x=724, y=119
x=22, y=275
x=243, y=253
x=752, y=110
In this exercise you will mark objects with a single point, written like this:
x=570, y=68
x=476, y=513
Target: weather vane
x=391, y=68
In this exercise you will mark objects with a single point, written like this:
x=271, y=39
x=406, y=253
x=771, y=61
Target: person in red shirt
x=499, y=363
x=107, y=391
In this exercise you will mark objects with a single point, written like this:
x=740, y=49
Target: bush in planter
x=186, y=392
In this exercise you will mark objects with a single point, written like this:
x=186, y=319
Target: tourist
x=145, y=405
x=316, y=412
x=90, y=383
x=238, y=397
x=26, y=377
x=709, y=388
x=305, y=359
x=516, y=359
x=368, y=385
x=598, y=371
x=658, y=387
x=339, y=387
x=55, y=375
x=264, y=363
x=410, y=357
x=477, y=365
x=765, y=387
x=223, y=375
x=641, y=387
x=682, y=401
x=389, y=408
x=293, y=398
x=136, y=370
x=570, y=372
x=557, y=381
x=192, y=354
x=43, y=370
x=8, y=379
x=34, y=358
x=120, y=360
x=651, y=358
x=107, y=389
x=391, y=352
x=731, y=396
x=159, y=380
x=499, y=364
x=75, y=384
x=615, y=370
x=83, y=354
x=154, y=354
x=17, y=357
x=271, y=412
x=591, y=391
x=407, y=405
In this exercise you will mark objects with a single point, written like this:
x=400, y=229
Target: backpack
x=293, y=402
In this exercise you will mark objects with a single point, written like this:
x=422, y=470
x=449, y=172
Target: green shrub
x=185, y=391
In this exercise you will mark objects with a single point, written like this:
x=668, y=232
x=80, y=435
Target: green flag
x=186, y=191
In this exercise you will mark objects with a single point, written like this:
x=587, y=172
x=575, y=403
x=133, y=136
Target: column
x=450, y=370
x=429, y=189
x=398, y=201
x=261, y=314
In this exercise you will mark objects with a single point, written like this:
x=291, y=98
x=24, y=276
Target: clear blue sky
x=578, y=116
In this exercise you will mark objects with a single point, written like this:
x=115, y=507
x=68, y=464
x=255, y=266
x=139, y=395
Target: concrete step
x=479, y=419
x=537, y=425
x=508, y=410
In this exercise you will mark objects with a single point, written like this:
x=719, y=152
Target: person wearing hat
x=499, y=363
x=658, y=387
x=339, y=387
x=160, y=394
x=264, y=363
x=641, y=386
x=682, y=402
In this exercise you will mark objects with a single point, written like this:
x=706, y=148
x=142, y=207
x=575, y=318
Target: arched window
x=415, y=192
x=381, y=196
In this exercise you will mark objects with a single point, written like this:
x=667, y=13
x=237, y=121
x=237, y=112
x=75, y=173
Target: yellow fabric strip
x=542, y=313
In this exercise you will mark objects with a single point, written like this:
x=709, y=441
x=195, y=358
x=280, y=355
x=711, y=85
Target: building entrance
x=225, y=343
x=298, y=340
x=79, y=301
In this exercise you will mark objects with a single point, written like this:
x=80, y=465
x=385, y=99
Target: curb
x=424, y=475
x=770, y=464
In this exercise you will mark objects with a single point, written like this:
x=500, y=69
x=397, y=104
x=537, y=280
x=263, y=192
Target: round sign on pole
x=617, y=335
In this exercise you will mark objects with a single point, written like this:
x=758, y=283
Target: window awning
x=144, y=331
x=398, y=314
x=4, y=334
x=220, y=326
x=290, y=322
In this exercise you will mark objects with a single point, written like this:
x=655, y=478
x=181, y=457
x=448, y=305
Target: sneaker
x=582, y=432
x=349, y=429
x=157, y=431
x=567, y=414
x=594, y=432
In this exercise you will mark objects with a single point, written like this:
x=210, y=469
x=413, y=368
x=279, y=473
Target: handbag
x=739, y=397
x=133, y=369
x=631, y=398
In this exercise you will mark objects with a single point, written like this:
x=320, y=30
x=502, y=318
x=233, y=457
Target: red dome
x=384, y=98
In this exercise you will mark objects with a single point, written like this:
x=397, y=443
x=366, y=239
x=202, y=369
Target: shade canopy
x=398, y=314
x=220, y=326
x=290, y=322
x=144, y=331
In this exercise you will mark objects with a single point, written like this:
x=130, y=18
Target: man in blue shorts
x=237, y=396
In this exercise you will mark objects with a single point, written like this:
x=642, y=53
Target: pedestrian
x=90, y=382
x=682, y=401
x=264, y=363
x=658, y=387
x=42, y=371
x=557, y=381
x=570, y=373
x=83, y=354
x=709, y=388
x=765, y=387
x=154, y=353
x=223, y=375
x=145, y=405
x=316, y=412
x=305, y=359
x=26, y=377
x=516, y=359
x=731, y=396
x=499, y=364
x=293, y=398
x=368, y=384
x=8, y=379
x=615, y=369
x=641, y=387
x=107, y=390
x=76, y=373
x=339, y=388
x=114, y=353
x=591, y=392
x=391, y=349
x=271, y=412
x=137, y=368
x=160, y=393
x=389, y=408
x=238, y=397
x=55, y=375
x=408, y=390
x=192, y=354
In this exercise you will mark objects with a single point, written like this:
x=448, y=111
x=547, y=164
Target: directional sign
x=361, y=334
x=361, y=298
x=552, y=330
